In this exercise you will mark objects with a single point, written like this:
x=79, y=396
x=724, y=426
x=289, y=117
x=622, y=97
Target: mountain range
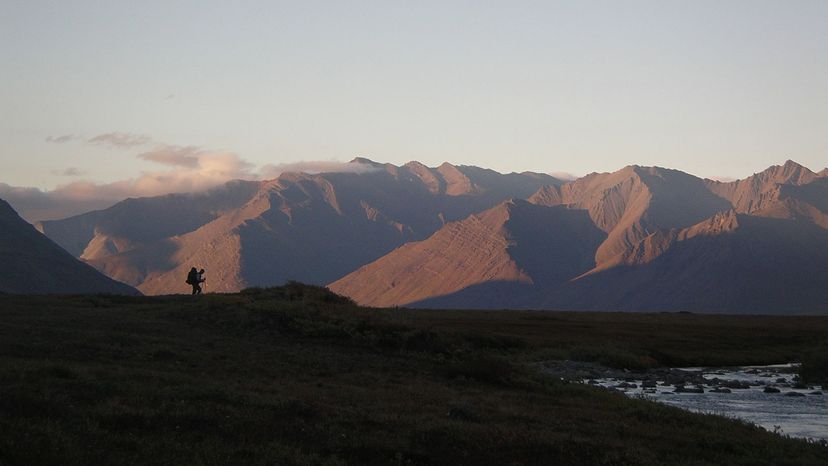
x=640, y=238
x=313, y=228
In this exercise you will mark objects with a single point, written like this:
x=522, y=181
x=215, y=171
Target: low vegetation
x=814, y=367
x=297, y=375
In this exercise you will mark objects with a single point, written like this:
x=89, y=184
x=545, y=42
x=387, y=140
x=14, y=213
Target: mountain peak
x=722, y=222
x=365, y=161
x=548, y=195
x=789, y=173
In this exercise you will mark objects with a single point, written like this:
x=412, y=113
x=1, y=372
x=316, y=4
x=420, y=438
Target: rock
x=816, y=393
x=683, y=389
x=794, y=394
x=648, y=384
x=781, y=380
x=771, y=390
x=592, y=382
x=720, y=390
x=735, y=384
x=626, y=385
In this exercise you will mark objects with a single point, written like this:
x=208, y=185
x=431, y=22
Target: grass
x=814, y=367
x=296, y=375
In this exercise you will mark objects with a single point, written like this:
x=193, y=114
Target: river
x=769, y=397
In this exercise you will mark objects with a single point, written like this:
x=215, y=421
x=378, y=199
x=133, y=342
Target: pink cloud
x=120, y=140
x=208, y=170
x=272, y=171
x=174, y=155
x=722, y=179
x=564, y=176
x=186, y=169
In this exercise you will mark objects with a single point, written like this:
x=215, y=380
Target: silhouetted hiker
x=194, y=279
x=201, y=279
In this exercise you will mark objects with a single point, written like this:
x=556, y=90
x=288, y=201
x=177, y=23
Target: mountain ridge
x=30, y=263
x=465, y=236
x=300, y=226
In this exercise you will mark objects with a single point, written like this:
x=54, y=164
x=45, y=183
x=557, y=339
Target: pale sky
x=207, y=90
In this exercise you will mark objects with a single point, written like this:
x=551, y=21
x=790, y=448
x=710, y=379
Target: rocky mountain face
x=660, y=240
x=313, y=228
x=641, y=238
x=31, y=263
x=515, y=242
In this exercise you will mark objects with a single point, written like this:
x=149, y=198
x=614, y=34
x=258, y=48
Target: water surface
x=798, y=411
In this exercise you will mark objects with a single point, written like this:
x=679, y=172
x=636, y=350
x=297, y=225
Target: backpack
x=192, y=278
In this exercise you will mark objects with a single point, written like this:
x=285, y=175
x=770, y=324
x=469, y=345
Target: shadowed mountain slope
x=670, y=244
x=633, y=202
x=30, y=263
x=512, y=244
x=730, y=263
x=807, y=202
x=752, y=193
x=309, y=227
x=136, y=222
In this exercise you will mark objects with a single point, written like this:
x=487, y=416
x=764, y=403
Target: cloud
x=272, y=171
x=71, y=171
x=723, y=179
x=176, y=156
x=61, y=139
x=33, y=204
x=182, y=169
x=207, y=169
x=120, y=140
x=564, y=176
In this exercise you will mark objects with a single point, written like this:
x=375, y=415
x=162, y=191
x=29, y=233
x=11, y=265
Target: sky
x=105, y=100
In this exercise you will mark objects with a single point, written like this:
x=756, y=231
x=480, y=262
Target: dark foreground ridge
x=298, y=375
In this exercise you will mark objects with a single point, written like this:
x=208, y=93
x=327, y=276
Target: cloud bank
x=188, y=169
x=564, y=176
x=181, y=169
x=174, y=155
x=273, y=171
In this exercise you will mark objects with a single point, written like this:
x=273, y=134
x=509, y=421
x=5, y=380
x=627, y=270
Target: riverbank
x=772, y=397
x=296, y=375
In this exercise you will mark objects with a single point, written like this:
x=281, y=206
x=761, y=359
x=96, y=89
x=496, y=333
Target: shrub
x=814, y=368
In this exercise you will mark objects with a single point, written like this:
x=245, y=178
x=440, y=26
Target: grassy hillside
x=295, y=375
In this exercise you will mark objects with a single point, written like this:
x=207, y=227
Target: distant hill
x=668, y=241
x=314, y=228
x=30, y=263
